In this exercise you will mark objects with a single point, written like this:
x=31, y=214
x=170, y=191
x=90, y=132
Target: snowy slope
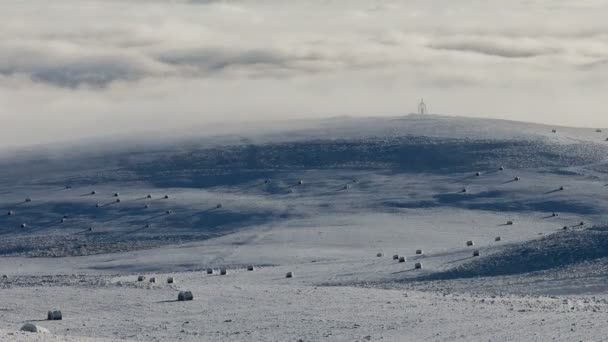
x=321, y=200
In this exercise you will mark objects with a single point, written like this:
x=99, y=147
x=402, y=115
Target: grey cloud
x=494, y=47
x=75, y=66
x=97, y=73
x=218, y=59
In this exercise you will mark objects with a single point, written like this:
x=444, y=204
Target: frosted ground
x=369, y=186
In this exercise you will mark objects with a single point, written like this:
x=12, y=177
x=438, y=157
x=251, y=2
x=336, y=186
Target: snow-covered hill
x=321, y=199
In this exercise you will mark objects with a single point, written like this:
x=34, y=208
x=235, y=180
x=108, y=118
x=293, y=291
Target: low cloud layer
x=71, y=69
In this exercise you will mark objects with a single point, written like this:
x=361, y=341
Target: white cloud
x=71, y=69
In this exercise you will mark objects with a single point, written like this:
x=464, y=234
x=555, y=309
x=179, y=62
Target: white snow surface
x=540, y=282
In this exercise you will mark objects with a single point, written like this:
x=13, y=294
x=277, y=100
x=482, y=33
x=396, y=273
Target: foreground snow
x=263, y=305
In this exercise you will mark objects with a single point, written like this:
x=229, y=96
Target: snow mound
x=554, y=251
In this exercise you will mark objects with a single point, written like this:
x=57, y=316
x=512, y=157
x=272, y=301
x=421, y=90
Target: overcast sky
x=80, y=68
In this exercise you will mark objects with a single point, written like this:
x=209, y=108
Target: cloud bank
x=71, y=69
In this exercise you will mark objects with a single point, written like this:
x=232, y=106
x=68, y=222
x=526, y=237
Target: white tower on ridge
x=422, y=107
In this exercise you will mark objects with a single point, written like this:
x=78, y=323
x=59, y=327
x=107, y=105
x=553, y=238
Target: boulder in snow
x=289, y=275
x=223, y=271
x=418, y=265
x=476, y=253
x=54, y=315
x=29, y=327
x=184, y=296
x=419, y=252
x=470, y=243
x=170, y=280
x=402, y=259
x=210, y=271
x=141, y=278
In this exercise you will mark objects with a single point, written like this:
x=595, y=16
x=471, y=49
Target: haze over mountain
x=73, y=69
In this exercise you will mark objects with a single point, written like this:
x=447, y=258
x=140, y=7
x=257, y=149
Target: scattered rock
x=184, y=296
x=54, y=315
x=29, y=327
